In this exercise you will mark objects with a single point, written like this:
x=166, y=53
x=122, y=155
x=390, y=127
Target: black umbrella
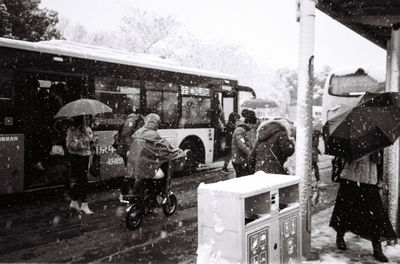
x=373, y=123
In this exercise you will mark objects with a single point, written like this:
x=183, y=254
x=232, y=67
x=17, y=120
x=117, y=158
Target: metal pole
x=386, y=150
x=393, y=151
x=304, y=117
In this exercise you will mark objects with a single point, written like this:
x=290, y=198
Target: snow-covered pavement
x=359, y=250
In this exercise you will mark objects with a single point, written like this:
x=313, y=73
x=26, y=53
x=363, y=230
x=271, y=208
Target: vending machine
x=252, y=219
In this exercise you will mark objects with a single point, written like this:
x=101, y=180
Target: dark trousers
x=79, y=179
x=316, y=169
x=241, y=169
x=128, y=181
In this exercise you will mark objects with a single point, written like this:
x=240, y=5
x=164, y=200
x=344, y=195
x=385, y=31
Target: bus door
x=44, y=94
x=243, y=93
x=225, y=103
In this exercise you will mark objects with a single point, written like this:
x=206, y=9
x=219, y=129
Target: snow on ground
x=359, y=250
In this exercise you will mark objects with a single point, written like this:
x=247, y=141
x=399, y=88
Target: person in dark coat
x=133, y=122
x=230, y=127
x=359, y=207
x=242, y=144
x=272, y=148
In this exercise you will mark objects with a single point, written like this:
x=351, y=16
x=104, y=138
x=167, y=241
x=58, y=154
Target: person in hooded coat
x=148, y=154
x=272, y=148
x=242, y=144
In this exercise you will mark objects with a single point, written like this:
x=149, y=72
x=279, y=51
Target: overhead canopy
x=371, y=19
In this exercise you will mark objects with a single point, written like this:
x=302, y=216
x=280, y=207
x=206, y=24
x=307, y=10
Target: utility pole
x=391, y=169
x=306, y=11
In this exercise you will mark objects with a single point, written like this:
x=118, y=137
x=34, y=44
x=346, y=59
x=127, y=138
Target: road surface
x=44, y=231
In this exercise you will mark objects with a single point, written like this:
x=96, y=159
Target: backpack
x=119, y=144
x=117, y=137
x=337, y=168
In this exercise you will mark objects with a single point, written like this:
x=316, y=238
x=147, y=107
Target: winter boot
x=85, y=208
x=74, y=206
x=378, y=254
x=340, y=244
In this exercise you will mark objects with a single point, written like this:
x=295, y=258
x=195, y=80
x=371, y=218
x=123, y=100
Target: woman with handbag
x=359, y=207
x=79, y=142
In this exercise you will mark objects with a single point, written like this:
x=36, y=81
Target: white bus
x=344, y=86
x=186, y=99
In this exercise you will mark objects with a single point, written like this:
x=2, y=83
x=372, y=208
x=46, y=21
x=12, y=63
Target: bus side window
x=162, y=99
x=195, y=111
x=154, y=102
x=170, y=108
x=119, y=94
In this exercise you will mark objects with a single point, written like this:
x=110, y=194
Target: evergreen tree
x=24, y=20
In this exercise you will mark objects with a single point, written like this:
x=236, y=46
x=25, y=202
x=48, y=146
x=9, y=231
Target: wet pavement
x=44, y=231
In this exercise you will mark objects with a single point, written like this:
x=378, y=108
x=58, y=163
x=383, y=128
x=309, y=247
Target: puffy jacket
x=272, y=148
x=241, y=143
x=79, y=140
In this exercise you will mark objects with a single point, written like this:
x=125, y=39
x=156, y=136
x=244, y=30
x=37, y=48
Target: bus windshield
x=354, y=85
x=344, y=86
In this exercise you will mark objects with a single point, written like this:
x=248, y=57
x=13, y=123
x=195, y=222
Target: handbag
x=94, y=168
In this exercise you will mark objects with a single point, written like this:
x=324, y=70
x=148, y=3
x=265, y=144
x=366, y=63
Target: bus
x=34, y=76
x=345, y=86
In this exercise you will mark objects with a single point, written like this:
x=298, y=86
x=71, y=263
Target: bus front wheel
x=195, y=156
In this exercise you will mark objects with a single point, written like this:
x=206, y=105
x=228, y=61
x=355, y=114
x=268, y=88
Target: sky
x=267, y=29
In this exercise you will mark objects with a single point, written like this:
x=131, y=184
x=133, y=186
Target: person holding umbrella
x=79, y=143
x=359, y=207
x=357, y=134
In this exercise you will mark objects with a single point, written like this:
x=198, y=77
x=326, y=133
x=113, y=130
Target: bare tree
x=73, y=31
x=141, y=31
